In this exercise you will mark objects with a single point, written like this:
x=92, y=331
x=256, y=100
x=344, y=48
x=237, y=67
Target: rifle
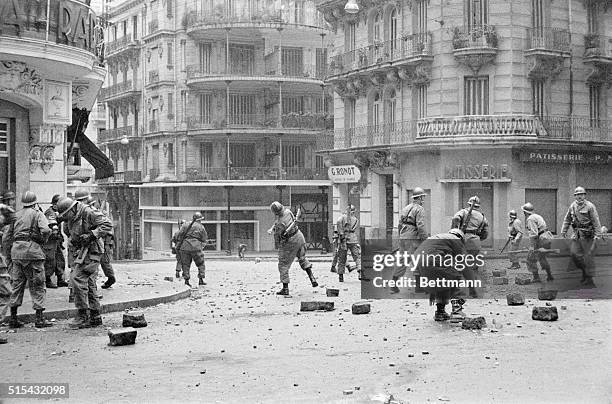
x=541, y=250
x=506, y=245
x=465, y=223
x=292, y=225
x=180, y=243
x=82, y=254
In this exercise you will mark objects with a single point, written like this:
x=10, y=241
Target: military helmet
x=197, y=216
x=28, y=198
x=81, y=195
x=277, y=208
x=527, y=208
x=457, y=232
x=64, y=205
x=417, y=192
x=512, y=213
x=9, y=195
x=90, y=200
x=351, y=208
x=52, y=222
x=475, y=201
x=55, y=198
x=579, y=191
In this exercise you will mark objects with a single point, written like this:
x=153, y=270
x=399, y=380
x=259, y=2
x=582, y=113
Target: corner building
x=218, y=107
x=508, y=100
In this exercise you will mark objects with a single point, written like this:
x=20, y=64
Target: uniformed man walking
x=334, y=247
x=7, y=217
x=412, y=231
x=348, y=240
x=536, y=231
x=476, y=228
x=109, y=246
x=291, y=245
x=28, y=234
x=190, y=247
x=515, y=234
x=86, y=228
x=174, y=250
x=583, y=218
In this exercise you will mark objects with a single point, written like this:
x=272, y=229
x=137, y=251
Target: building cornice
x=116, y=11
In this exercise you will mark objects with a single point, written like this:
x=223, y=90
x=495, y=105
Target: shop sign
x=484, y=172
x=344, y=174
x=565, y=157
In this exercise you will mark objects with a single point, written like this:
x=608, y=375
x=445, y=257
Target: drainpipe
x=571, y=72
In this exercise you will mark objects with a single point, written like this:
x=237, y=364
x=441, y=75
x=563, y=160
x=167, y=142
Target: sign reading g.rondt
x=344, y=174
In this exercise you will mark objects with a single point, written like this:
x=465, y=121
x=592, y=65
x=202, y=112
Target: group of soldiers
x=32, y=244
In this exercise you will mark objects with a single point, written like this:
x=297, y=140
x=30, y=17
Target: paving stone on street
x=135, y=319
x=122, y=336
x=515, y=299
x=545, y=313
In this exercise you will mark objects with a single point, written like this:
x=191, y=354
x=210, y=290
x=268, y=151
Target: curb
x=110, y=307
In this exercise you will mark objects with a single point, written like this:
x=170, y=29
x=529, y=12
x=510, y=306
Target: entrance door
x=485, y=193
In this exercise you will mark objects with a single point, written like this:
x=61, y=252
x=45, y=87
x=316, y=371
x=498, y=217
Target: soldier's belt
x=471, y=232
x=291, y=234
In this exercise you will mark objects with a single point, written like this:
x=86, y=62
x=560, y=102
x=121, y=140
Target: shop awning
x=90, y=152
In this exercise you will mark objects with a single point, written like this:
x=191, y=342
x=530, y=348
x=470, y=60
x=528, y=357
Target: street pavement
x=235, y=341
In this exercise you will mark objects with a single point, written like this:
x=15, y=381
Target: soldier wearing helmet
x=435, y=264
x=9, y=199
x=7, y=217
x=28, y=234
x=178, y=267
x=412, y=230
x=109, y=245
x=86, y=228
x=515, y=234
x=539, y=237
x=476, y=228
x=81, y=195
x=54, y=261
x=290, y=243
x=348, y=240
x=583, y=218
x=190, y=242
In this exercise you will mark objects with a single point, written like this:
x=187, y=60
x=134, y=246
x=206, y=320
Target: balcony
x=153, y=26
x=255, y=174
x=289, y=72
x=475, y=126
x=110, y=135
x=576, y=129
x=219, y=14
x=475, y=46
x=547, y=48
x=124, y=177
x=385, y=134
x=306, y=121
x=598, y=55
x=127, y=42
x=120, y=90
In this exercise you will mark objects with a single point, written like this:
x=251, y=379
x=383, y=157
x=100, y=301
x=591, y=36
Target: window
x=538, y=17
x=376, y=112
x=155, y=158
x=477, y=13
x=292, y=62
x=390, y=104
x=183, y=54
x=164, y=196
x=293, y=155
x=293, y=104
x=538, y=97
x=169, y=11
x=205, y=108
x=321, y=61
x=242, y=59
x=322, y=105
x=349, y=113
x=206, y=154
x=170, y=54
x=350, y=41
x=170, y=105
x=135, y=27
x=185, y=155
x=377, y=27
x=170, y=154
x=595, y=105
x=124, y=26
x=394, y=35
x=476, y=96
x=184, y=104
x=204, y=51
x=421, y=101
x=241, y=154
x=592, y=23
x=420, y=13
x=319, y=163
x=4, y=153
x=242, y=109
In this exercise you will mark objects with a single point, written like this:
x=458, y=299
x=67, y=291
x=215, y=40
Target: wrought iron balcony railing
x=308, y=121
x=109, y=135
x=254, y=173
x=120, y=43
x=117, y=89
x=309, y=71
x=597, y=46
x=475, y=37
x=479, y=125
x=153, y=26
x=395, y=50
x=375, y=135
x=548, y=39
x=576, y=129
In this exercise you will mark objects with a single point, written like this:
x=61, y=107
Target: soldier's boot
x=49, y=283
x=284, y=291
x=14, y=321
x=333, y=269
x=584, y=278
x=187, y=282
x=441, y=314
x=201, y=282
x=61, y=283
x=549, y=276
x=178, y=275
x=536, y=278
x=71, y=296
x=588, y=283
x=457, y=314
x=81, y=320
x=109, y=282
x=394, y=289
x=95, y=319
x=340, y=277
x=362, y=277
x=40, y=321
x=313, y=280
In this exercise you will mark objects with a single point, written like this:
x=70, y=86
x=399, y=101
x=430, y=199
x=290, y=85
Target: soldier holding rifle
x=539, y=237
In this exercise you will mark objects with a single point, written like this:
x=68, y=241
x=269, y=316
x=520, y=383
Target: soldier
x=86, y=228
x=174, y=243
x=7, y=217
x=582, y=216
x=411, y=230
x=54, y=261
x=444, y=245
x=291, y=245
x=476, y=228
x=109, y=244
x=515, y=234
x=348, y=240
x=28, y=234
x=536, y=227
x=334, y=246
x=191, y=240
x=9, y=199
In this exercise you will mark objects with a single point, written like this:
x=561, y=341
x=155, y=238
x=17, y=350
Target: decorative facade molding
x=42, y=156
x=47, y=135
x=18, y=78
x=600, y=74
x=544, y=66
x=475, y=61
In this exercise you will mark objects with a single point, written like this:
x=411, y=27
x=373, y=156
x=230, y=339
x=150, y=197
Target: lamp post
x=228, y=188
x=351, y=7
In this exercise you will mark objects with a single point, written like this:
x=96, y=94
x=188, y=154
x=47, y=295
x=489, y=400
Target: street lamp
x=351, y=7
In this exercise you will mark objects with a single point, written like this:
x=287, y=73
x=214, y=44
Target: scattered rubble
x=360, y=308
x=473, y=323
x=515, y=299
x=523, y=279
x=122, y=336
x=544, y=294
x=135, y=319
x=314, y=306
x=545, y=313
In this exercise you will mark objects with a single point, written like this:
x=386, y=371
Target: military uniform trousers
x=197, y=257
x=335, y=247
x=31, y=272
x=288, y=251
x=179, y=266
x=535, y=256
x=83, y=279
x=410, y=246
x=580, y=250
x=5, y=291
x=343, y=249
x=54, y=261
x=513, y=257
x=105, y=261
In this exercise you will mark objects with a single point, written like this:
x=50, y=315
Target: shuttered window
x=476, y=95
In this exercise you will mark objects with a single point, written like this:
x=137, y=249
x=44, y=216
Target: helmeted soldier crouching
x=583, y=218
x=539, y=237
x=28, y=234
x=7, y=217
x=291, y=245
x=86, y=229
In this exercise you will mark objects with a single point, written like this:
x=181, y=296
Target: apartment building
x=508, y=100
x=216, y=106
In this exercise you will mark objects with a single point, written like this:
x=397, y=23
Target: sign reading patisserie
x=566, y=157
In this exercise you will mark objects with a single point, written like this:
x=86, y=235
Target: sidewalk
x=137, y=286
x=313, y=255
